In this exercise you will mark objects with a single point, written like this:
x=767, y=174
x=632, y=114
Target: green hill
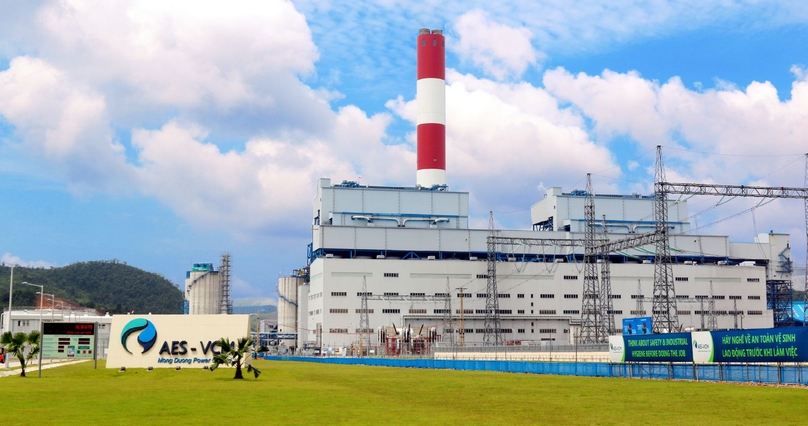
x=109, y=286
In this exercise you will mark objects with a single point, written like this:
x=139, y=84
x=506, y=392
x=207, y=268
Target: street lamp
x=41, y=329
x=10, y=324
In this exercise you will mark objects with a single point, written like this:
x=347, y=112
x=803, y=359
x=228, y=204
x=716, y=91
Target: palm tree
x=234, y=355
x=16, y=345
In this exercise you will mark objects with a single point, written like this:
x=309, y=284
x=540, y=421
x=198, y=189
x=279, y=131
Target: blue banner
x=674, y=347
x=639, y=325
x=788, y=344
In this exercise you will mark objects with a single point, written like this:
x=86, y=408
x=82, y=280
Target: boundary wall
x=787, y=374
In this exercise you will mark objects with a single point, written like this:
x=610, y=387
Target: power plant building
x=407, y=258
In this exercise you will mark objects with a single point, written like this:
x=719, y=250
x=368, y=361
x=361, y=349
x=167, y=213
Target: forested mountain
x=109, y=286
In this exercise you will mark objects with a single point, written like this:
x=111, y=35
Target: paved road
x=33, y=367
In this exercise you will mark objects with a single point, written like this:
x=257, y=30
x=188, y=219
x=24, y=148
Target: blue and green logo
x=147, y=336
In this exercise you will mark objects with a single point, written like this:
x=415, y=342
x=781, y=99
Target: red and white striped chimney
x=430, y=98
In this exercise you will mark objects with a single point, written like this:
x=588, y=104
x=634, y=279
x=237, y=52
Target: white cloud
x=63, y=123
x=501, y=51
x=9, y=259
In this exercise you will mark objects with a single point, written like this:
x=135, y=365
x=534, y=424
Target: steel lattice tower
x=606, y=303
x=226, y=306
x=712, y=323
x=590, y=321
x=492, y=334
x=447, y=315
x=665, y=315
x=639, y=308
x=364, y=318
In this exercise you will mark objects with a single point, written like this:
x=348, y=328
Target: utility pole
x=713, y=324
x=364, y=318
x=462, y=333
x=735, y=312
x=447, y=315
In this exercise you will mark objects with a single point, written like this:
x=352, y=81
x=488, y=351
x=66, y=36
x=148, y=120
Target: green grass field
x=306, y=393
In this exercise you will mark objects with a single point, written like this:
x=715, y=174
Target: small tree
x=235, y=355
x=17, y=343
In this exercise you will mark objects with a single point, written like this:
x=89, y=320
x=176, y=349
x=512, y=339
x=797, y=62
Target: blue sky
x=164, y=135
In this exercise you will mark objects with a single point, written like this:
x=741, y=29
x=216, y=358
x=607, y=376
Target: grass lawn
x=308, y=393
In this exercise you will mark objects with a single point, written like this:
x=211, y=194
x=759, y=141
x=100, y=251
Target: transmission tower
x=590, y=321
x=606, y=303
x=492, y=334
x=805, y=289
x=448, y=326
x=364, y=318
x=665, y=315
x=462, y=333
x=226, y=306
x=640, y=307
x=735, y=312
x=713, y=322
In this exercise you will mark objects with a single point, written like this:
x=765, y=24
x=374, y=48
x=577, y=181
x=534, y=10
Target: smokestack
x=430, y=98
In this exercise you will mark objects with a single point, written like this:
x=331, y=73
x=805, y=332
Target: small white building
x=28, y=319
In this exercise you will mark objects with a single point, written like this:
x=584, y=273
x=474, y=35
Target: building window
x=338, y=330
x=548, y=330
x=520, y=330
x=418, y=311
x=505, y=311
x=547, y=311
x=442, y=295
x=482, y=276
x=418, y=294
x=391, y=311
x=572, y=312
x=570, y=277
x=504, y=295
x=520, y=296
x=520, y=311
x=753, y=280
x=718, y=297
x=753, y=297
x=641, y=312
x=682, y=279
x=570, y=296
x=465, y=311
x=617, y=296
x=339, y=293
x=685, y=312
x=464, y=295
x=367, y=293
x=482, y=295
x=615, y=312
x=547, y=296
x=338, y=311
x=391, y=294
x=359, y=311
x=754, y=312
x=702, y=297
x=436, y=311
x=683, y=296
x=735, y=298
x=391, y=274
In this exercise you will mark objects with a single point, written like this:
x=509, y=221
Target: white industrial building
x=27, y=320
x=207, y=291
x=400, y=251
x=415, y=245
